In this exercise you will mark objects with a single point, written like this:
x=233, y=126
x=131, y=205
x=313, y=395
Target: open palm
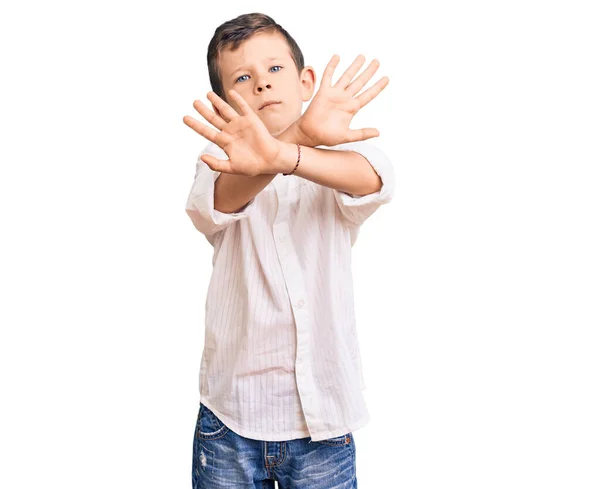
x=244, y=137
x=327, y=119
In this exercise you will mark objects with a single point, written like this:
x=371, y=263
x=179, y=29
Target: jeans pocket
x=208, y=426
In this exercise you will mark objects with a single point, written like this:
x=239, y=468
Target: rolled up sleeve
x=200, y=205
x=356, y=209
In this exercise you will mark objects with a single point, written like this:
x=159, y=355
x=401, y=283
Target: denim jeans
x=222, y=459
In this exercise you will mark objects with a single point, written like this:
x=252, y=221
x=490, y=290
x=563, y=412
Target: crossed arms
x=256, y=157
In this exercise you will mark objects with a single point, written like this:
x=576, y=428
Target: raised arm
x=232, y=189
x=255, y=157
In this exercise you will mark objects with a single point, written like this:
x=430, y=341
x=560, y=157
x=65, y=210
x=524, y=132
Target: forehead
x=257, y=49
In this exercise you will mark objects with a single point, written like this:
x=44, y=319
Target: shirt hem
x=291, y=435
x=352, y=427
x=254, y=435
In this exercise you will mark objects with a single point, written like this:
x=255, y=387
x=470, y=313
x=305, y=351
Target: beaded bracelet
x=297, y=163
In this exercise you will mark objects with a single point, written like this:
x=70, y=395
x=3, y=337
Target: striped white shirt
x=281, y=358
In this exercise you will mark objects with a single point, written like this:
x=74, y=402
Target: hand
x=251, y=148
x=326, y=121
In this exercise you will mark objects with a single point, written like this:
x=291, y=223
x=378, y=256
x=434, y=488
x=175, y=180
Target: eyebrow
x=243, y=67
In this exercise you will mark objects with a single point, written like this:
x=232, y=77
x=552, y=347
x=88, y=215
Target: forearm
x=347, y=171
x=233, y=192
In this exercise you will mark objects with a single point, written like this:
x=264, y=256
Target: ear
x=308, y=80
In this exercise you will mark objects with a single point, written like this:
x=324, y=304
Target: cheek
x=239, y=88
x=234, y=104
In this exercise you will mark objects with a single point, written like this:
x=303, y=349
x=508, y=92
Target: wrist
x=302, y=133
x=294, y=134
x=287, y=158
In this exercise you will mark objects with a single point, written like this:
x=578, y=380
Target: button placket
x=294, y=280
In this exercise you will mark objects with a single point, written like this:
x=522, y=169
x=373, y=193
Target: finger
x=346, y=78
x=329, y=69
x=364, y=77
x=237, y=98
x=209, y=115
x=368, y=95
x=225, y=109
x=201, y=129
x=216, y=164
x=362, y=134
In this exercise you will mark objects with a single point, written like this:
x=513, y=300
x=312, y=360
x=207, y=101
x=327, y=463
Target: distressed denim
x=222, y=459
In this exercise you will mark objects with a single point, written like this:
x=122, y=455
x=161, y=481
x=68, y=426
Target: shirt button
x=282, y=238
x=300, y=303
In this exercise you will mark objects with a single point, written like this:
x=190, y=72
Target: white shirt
x=281, y=358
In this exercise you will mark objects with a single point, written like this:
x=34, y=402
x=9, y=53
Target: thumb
x=362, y=134
x=215, y=164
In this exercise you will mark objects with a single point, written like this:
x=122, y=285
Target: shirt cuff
x=200, y=204
x=356, y=209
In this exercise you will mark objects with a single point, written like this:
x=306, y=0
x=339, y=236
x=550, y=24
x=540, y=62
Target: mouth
x=268, y=104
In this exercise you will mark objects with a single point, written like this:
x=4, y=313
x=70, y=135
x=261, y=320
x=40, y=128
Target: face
x=262, y=70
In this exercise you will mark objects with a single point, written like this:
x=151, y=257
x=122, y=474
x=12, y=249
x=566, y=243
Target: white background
x=477, y=288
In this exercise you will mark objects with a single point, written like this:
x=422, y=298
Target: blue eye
x=269, y=70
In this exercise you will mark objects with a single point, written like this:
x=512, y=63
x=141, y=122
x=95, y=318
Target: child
x=281, y=375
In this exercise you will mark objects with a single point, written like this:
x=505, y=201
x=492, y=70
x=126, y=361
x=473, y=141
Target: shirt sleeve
x=200, y=203
x=356, y=209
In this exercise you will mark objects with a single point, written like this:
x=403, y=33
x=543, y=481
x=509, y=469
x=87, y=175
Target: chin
x=275, y=130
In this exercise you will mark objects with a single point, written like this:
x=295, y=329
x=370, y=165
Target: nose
x=261, y=86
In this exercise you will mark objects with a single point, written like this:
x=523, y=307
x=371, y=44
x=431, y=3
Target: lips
x=266, y=104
